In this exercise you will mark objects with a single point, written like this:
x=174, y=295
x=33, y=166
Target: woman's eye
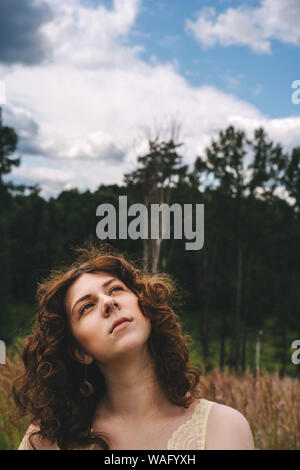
x=114, y=288
x=82, y=310
x=87, y=306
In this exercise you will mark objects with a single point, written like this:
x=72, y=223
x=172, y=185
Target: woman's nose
x=108, y=305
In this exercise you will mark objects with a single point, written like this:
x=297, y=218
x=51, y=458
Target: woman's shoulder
x=38, y=442
x=227, y=428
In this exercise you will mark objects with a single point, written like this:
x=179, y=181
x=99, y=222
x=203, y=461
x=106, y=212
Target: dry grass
x=271, y=405
x=12, y=425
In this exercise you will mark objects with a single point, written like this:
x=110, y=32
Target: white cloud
x=254, y=27
x=92, y=37
x=234, y=81
x=94, y=146
x=283, y=130
x=51, y=181
x=69, y=174
x=85, y=112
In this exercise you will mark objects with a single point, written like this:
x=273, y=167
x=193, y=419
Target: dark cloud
x=20, y=38
x=112, y=154
x=26, y=128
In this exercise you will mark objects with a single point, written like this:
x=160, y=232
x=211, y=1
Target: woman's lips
x=120, y=326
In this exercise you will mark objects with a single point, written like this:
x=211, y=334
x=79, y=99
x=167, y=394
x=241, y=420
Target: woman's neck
x=133, y=391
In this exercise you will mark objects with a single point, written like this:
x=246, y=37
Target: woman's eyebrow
x=88, y=296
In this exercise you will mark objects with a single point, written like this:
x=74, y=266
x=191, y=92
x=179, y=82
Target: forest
x=239, y=292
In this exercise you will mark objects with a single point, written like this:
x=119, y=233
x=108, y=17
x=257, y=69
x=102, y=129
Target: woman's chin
x=131, y=345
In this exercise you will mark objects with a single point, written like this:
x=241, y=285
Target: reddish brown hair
x=49, y=388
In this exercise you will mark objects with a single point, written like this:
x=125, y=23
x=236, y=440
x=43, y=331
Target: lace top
x=191, y=434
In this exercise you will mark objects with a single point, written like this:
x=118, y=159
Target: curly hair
x=48, y=390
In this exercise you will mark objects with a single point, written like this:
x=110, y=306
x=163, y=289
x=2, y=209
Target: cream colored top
x=191, y=435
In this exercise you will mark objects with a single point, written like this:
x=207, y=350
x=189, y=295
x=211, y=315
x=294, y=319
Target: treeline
x=244, y=280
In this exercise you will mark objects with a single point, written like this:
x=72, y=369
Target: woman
x=107, y=367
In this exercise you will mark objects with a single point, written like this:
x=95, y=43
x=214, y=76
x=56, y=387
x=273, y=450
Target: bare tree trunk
x=238, y=309
x=147, y=254
x=284, y=348
x=209, y=273
x=156, y=244
x=147, y=241
x=244, y=346
x=164, y=197
x=222, y=343
x=246, y=305
x=160, y=195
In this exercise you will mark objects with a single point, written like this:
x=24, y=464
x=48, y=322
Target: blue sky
x=87, y=80
x=262, y=79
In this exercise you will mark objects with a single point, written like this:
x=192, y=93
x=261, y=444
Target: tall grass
x=12, y=426
x=270, y=403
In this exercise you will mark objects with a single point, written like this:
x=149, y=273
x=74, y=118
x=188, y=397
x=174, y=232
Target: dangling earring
x=86, y=388
x=150, y=348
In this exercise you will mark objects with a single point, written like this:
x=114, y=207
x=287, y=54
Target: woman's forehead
x=86, y=283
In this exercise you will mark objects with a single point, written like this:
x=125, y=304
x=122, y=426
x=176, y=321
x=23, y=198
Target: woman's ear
x=80, y=356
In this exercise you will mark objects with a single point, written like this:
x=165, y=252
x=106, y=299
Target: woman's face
x=94, y=302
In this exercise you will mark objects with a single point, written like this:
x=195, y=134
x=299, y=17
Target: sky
x=87, y=82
